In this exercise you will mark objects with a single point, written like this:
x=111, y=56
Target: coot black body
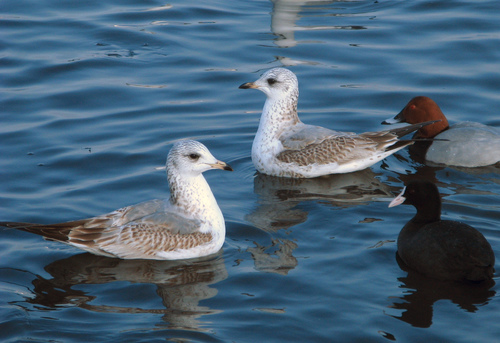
x=441, y=249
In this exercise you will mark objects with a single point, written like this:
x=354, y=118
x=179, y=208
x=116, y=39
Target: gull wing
x=146, y=237
x=308, y=145
x=138, y=231
x=301, y=136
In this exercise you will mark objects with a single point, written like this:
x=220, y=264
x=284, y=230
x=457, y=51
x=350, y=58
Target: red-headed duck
x=465, y=144
x=286, y=147
x=441, y=249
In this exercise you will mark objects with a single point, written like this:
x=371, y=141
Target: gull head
x=191, y=158
x=276, y=83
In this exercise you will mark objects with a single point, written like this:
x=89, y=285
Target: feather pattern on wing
x=309, y=144
x=129, y=231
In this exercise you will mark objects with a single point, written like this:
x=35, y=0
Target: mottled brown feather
x=152, y=238
x=334, y=150
x=343, y=149
x=57, y=232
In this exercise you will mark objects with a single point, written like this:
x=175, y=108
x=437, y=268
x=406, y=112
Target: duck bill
x=221, y=165
x=397, y=119
x=248, y=85
x=398, y=200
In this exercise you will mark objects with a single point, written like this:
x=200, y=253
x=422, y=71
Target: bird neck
x=278, y=114
x=193, y=196
x=432, y=130
x=427, y=212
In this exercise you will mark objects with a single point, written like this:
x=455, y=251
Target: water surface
x=93, y=95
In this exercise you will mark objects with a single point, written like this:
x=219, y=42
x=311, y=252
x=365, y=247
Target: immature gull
x=284, y=146
x=189, y=224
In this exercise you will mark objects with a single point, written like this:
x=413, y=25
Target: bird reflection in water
x=277, y=209
x=180, y=284
x=280, y=261
x=286, y=14
x=422, y=292
x=279, y=196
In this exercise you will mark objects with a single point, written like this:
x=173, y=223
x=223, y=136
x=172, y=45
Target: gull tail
x=55, y=232
x=403, y=131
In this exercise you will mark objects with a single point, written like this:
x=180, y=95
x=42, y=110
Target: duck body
x=187, y=225
x=441, y=249
x=464, y=144
x=448, y=245
x=285, y=146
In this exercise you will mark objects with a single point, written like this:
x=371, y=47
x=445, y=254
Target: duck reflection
x=482, y=176
x=493, y=169
x=180, y=284
x=277, y=208
x=423, y=292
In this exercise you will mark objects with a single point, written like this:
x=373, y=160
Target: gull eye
x=194, y=157
x=271, y=81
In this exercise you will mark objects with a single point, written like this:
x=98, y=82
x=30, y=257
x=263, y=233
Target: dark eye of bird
x=271, y=81
x=194, y=157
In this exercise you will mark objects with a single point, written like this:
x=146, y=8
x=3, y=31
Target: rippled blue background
x=94, y=93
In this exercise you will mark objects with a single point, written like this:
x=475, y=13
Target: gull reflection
x=277, y=209
x=280, y=261
x=422, y=292
x=180, y=284
x=285, y=15
x=279, y=196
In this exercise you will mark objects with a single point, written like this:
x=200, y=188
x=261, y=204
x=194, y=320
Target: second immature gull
x=187, y=225
x=284, y=146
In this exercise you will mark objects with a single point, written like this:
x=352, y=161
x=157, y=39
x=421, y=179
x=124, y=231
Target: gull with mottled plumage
x=284, y=146
x=187, y=225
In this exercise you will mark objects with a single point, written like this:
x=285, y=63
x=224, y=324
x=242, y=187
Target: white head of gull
x=187, y=225
x=284, y=146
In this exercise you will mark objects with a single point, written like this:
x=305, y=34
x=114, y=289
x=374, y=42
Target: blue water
x=94, y=93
